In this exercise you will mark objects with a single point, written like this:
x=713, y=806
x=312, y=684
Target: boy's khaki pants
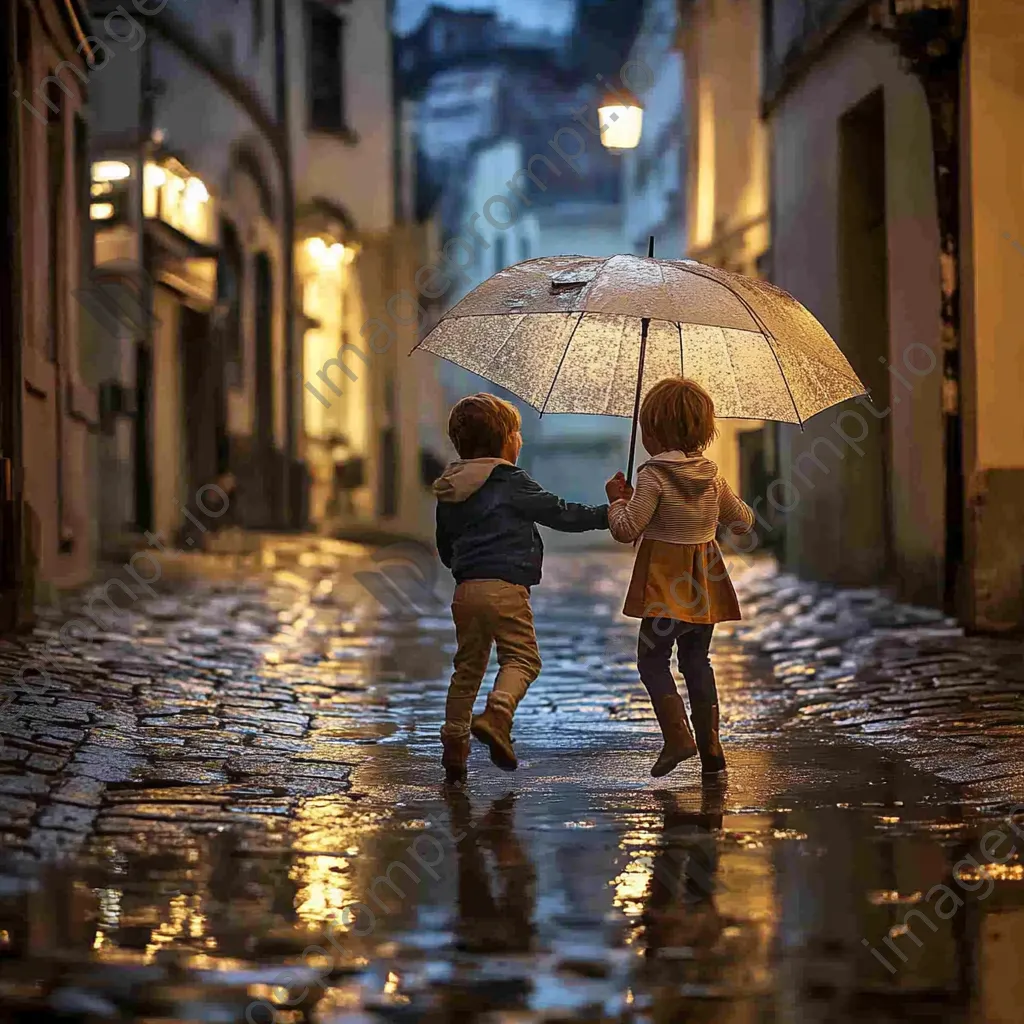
x=488, y=612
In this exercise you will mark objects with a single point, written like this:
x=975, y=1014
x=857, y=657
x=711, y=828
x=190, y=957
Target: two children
x=487, y=513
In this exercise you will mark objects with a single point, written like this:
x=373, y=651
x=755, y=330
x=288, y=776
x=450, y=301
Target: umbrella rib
x=765, y=333
x=565, y=352
x=679, y=327
x=732, y=364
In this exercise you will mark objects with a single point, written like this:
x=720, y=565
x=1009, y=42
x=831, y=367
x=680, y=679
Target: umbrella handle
x=644, y=324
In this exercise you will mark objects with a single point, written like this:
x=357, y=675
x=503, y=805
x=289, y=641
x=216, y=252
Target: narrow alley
x=229, y=807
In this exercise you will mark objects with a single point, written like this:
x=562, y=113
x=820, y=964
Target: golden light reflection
x=885, y=897
x=325, y=882
x=184, y=919
x=109, y=907
x=323, y=889
x=632, y=882
x=995, y=872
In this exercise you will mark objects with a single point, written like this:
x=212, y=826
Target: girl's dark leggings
x=654, y=659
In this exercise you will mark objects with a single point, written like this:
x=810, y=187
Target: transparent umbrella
x=579, y=334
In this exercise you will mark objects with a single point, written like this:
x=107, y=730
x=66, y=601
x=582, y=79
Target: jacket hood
x=464, y=477
x=691, y=474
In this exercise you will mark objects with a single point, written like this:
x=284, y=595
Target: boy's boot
x=494, y=727
x=679, y=744
x=705, y=728
x=454, y=754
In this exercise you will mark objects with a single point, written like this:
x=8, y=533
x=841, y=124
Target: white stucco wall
x=824, y=528
x=995, y=99
x=355, y=174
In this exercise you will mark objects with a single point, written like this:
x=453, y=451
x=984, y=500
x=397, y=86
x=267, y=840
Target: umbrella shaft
x=644, y=324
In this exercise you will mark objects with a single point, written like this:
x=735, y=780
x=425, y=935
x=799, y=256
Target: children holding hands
x=487, y=516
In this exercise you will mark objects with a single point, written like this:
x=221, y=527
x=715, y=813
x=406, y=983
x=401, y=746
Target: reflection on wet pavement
x=230, y=809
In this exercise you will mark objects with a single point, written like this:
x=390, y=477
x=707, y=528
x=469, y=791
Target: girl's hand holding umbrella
x=618, y=488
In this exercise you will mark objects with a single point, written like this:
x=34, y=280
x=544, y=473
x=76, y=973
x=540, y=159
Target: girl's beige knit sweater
x=679, y=499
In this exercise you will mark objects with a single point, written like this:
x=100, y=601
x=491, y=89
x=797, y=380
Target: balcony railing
x=794, y=33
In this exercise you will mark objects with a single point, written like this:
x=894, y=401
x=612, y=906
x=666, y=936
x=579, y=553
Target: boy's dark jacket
x=486, y=515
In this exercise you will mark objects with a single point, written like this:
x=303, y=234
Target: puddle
x=249, y=826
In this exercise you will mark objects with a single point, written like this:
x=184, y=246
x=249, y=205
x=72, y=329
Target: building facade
x=727, y=184
x=369, y=412
x=48, y=398
x=891, y=135
x=194, y=213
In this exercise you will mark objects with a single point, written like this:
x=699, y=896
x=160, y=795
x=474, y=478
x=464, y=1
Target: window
x=524, y=248
x=326, y=70
x=229, y=299
x=499, y=253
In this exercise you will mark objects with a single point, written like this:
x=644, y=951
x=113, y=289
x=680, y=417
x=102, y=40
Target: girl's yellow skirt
x=688, y=582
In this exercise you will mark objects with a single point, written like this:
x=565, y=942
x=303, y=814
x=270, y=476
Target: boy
x=486, y=534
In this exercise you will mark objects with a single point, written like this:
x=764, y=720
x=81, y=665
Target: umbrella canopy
x=563, y=333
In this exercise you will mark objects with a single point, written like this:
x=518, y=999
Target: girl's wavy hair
x=680, y=415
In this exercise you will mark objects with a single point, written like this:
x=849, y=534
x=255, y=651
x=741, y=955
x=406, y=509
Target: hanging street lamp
x=620, y=116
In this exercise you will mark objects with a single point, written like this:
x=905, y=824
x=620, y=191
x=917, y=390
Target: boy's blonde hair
x=679, y=414
x=481, y=424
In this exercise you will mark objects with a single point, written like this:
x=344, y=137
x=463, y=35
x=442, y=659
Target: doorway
x=863, y=260
x=143, y=462
x=264, y=371
x=205, y=416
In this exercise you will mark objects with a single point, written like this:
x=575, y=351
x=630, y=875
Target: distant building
x=490, y=100
x=569, y=453
x=654, y=173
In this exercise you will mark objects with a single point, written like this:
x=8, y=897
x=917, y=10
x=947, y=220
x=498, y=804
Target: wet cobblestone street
x=229, y=807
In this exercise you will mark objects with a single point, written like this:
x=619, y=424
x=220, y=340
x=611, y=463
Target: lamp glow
x=195, y=191
x=110, y=170
x=316, y=247
x=620, y=117
x=155, y=176
x=101, y=211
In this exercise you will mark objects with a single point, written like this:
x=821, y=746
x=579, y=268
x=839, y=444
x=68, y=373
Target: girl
x=680, y=586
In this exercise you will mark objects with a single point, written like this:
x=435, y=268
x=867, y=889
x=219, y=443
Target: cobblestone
x=210, y=787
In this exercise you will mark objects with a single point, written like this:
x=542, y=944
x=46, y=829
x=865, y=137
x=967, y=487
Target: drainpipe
x=930, y=37
x=293, y=514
